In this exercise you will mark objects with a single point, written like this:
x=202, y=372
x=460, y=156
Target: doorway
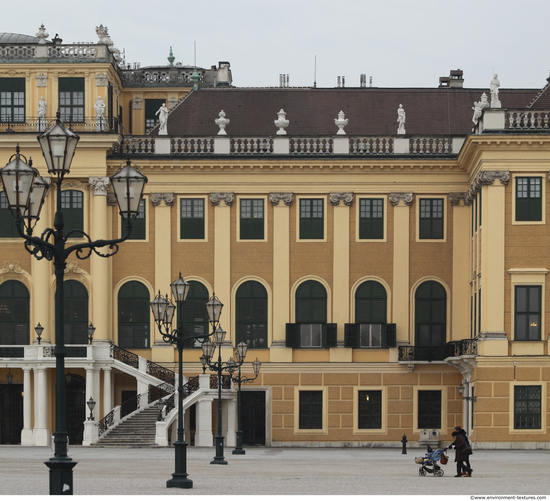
x=253, y=417
x=11, y=413
x=76, y=408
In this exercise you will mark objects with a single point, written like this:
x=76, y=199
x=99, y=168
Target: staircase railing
x=124, y=356
x=161, y=372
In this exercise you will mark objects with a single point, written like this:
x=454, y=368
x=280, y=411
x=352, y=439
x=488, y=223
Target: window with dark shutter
x=369, y=412
x=312, y=225
x=75, y=311
x=192, y=218
x=72, y=204
x=194, y=315
x=251, y=314
x=371, y=218
x=311, y=410
x=527, y=407
x=527, y=312
x=431, y=218
x=429, y=409
x=14, y=313
x=71, y=99
x=311, y=313
x=133, y=316
x=252, y=219
x=139, y=224
x=431, y=315
x=7, y=221
x=12, y=100
x=370, y=314
x=528, y=199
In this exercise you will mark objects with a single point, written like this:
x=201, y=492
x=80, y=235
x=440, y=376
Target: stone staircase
x=136, y=431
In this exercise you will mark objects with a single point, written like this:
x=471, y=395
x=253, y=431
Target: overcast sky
x=400, y=43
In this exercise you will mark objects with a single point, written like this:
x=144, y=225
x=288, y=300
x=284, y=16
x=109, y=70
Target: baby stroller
x=429, y=463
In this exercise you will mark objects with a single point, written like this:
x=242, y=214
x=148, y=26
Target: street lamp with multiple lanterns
x=163, y=312
x=26, y=191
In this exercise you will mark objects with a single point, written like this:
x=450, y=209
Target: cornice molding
x=486, y=178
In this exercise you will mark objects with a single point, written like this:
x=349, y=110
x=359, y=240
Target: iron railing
x=161, y=372
x=437, y=353
x=226, y=382
x=124, y=356
x=107, y=125
x=9, y=352
x=462, y=347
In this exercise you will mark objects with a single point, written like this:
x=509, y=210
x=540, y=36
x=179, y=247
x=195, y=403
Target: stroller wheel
x=439, y=473
x=422, y=472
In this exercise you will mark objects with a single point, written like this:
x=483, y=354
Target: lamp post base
x=218, y=461
x=238, y=450
x=218, y=458
x=180, y=480
x=61, y=475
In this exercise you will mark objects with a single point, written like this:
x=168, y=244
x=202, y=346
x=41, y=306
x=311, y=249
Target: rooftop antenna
x=315, y=73
x=195, y=52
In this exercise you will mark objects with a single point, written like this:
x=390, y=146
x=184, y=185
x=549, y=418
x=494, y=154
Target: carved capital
x=287, y=198
x=455, y=198
x=216, y=198
x=406, y=197
x=335, y=198
x=167, y=197
x=111, y=199
x=486, y=178
x=100, y=185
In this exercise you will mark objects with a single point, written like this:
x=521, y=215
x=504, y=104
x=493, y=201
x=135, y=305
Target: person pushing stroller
x=461, y=446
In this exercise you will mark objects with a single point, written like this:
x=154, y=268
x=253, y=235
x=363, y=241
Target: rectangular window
x=370, y=410
x=429, y=409
x=370, y=336
x=151, y=108
x=72, y=203
x=371, y=218
x=139, y=228
x=311, y=335
x=252, y=219
x=12, y=99
x=312, y=225
x=527, y=407
x=7, y=221
x=311, y=410
x=528, y=199
x=431, y=218
x=192, y=218
x=527, y=312
x=71, y=99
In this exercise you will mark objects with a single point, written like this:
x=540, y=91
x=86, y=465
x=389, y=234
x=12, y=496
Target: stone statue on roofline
x=401, y=117
x=163, y=120
x=479, y=107
x=495, y=84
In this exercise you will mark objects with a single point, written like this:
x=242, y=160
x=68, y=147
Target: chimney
x=363, y=81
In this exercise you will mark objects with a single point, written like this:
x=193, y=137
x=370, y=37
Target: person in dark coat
x=467, y=460
x=460, y=456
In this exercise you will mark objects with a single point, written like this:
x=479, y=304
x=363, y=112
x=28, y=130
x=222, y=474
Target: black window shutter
x=350, y=335
x=332, y=336
x=292, y=335
x=391, y=334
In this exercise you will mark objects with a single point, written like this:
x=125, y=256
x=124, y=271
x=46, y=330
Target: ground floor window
x=527, y=407
x=311, y=410
x=370, y=409
x=429, y=409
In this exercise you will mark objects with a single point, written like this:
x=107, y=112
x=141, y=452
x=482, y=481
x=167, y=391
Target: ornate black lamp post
x=230, y=366
x=90, y=330
x=91, y=405
x=240, y=353
x=26, y=191
x=39, y=330
x=163, y=311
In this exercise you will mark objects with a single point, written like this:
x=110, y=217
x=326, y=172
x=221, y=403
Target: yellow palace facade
x=388, y=269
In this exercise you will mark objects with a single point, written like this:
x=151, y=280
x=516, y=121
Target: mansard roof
x=311, y=111
x=16, y=38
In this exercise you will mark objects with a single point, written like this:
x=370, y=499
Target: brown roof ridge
x=540, y=94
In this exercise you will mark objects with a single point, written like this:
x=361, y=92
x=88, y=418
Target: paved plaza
x=276, y=471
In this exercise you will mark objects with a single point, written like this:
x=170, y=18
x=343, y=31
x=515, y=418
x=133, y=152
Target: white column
x=107, y=393
x=41, y=431
x=203, y=434
x=231, y=434
x=26, y=432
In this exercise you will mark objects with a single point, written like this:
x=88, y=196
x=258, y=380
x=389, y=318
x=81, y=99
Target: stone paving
x=276, y=471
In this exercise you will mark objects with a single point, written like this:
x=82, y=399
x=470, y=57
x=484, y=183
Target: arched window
x=194, y=314
x=370, y=314
x=251, y=314
x=14, y=313
x=311, y=329
x=133, y=316
x=76, y=312
x=431, y=315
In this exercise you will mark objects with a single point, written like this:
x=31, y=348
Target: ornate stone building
x=387, y=268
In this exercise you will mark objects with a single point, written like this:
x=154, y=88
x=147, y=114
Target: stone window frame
x=541, y=175
x=384, y=418
x=238, y=231
x=319, y=431
x=445, y=218
x=543, y=410
x=206, y=209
